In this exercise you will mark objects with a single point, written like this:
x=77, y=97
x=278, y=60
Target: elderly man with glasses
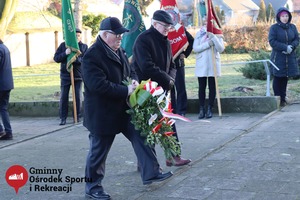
x=105, y=67
x=152, y=59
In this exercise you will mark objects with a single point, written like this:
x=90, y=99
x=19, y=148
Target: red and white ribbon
x=173, y=116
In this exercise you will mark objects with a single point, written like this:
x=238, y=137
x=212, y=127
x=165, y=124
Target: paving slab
x=236, y=156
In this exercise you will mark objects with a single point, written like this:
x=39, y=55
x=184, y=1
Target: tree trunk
x=7, y=12
x=78, y=13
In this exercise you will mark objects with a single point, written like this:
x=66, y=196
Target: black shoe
x=2, y=134
x=209, y=112
x=98, y=195
x=283, y=103
x=7, y=136
x=62, y=122
x=201, y=112
x=158, y=178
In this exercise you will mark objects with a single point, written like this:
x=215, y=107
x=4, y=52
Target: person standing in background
x=6, y=85
x=284, y=39
x=61, y=56
x=179, y=96
x=203, y=44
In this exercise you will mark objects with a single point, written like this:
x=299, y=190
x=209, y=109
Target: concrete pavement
x=237, y=156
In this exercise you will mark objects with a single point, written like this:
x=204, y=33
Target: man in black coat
x=61, y=56
x=153, y=59
x=105, y=66
x=6, y=85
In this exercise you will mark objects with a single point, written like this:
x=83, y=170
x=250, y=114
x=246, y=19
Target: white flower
x=157, y=91
x=160, y=99
x=171, y=122
x=152, y=119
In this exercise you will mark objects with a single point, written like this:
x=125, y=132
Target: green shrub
x=255, y=70
x=93, y=21
x=230, y=49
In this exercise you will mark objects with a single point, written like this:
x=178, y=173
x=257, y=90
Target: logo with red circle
x=16, y=177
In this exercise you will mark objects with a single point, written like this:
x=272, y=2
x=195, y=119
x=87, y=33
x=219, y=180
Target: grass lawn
x=36, y=83
x=42, y=82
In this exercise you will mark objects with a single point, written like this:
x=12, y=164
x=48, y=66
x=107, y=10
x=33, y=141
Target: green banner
x=132, y=20
x=69, y=32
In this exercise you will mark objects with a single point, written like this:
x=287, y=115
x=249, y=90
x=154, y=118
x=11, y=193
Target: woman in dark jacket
x=283, y=38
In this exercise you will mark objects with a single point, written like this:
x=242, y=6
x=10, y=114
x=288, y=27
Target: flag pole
x=216, y=82
x=214, y=27
x=73, y=96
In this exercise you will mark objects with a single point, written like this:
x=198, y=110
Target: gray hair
x=153, y=21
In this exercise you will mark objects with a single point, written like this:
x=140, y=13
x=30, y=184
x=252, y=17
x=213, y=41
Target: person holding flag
x=153, y=59
x=70, y=54
x=179, y=95
x=182, y=45
x=208, y=45
x=61, y=56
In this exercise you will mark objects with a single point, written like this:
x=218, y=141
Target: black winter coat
x=60, y=56
x=280, y=36
x=104, y=93
x=152, y=58
x=6, y=77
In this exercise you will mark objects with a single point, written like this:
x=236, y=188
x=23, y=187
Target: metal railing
x=267, y=70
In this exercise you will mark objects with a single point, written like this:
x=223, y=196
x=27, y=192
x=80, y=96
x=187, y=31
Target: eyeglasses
x=117, y=35
x=166, y=26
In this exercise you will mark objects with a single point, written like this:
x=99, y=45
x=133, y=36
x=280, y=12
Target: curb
x=255, y=104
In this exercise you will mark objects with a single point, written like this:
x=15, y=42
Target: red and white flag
x=213, y=23
x=177, y=36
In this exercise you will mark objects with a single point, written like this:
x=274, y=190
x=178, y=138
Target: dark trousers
x=4, y=100
x=99, y=149
x=173, y=103
x=202, y=81
x=279, y=87
x=179, y=95
x=64, y=99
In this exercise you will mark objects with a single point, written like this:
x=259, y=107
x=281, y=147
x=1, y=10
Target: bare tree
x=78, y=13
x=7, y=12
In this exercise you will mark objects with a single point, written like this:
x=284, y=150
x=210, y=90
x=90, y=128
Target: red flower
x=169, y=133
x=162, y=119
x=156, y=128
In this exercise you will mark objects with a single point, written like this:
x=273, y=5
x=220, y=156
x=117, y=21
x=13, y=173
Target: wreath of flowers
x=152, y=115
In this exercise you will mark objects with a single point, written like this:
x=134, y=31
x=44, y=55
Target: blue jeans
x=64, y=99
x=4, y=99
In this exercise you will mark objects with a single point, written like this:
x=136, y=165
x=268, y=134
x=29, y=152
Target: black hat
x=78, y=30
x=113, y=24
x=163, y=16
